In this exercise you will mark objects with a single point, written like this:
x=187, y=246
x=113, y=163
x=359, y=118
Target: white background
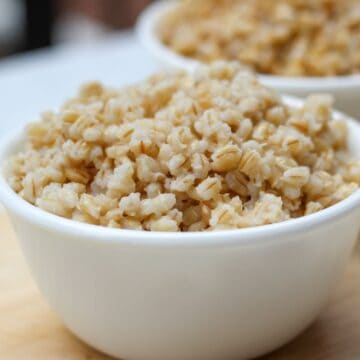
x=42, y=80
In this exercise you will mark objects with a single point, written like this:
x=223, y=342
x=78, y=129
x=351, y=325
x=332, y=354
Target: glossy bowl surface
x=162, y=296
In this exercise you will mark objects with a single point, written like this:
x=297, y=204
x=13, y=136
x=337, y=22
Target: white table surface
x=42, y=80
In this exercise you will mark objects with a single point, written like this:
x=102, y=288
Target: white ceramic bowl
x=209, y=295
x=345, y=89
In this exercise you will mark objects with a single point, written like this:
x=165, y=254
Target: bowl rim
x=246, y=236
x=146, y=33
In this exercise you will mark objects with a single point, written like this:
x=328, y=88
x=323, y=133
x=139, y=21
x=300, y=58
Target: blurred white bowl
x=162, y=296
x=345, y=89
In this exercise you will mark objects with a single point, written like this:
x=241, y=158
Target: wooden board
x=30, y=330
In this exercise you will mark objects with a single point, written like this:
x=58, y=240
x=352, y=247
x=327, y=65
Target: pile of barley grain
x=216, y=150
x=281, y=37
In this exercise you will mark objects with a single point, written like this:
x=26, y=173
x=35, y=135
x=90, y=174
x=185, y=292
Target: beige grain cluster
x=281, y=37
x=216, y=150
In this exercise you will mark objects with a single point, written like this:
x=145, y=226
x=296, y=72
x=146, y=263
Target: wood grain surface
x=30, y=330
